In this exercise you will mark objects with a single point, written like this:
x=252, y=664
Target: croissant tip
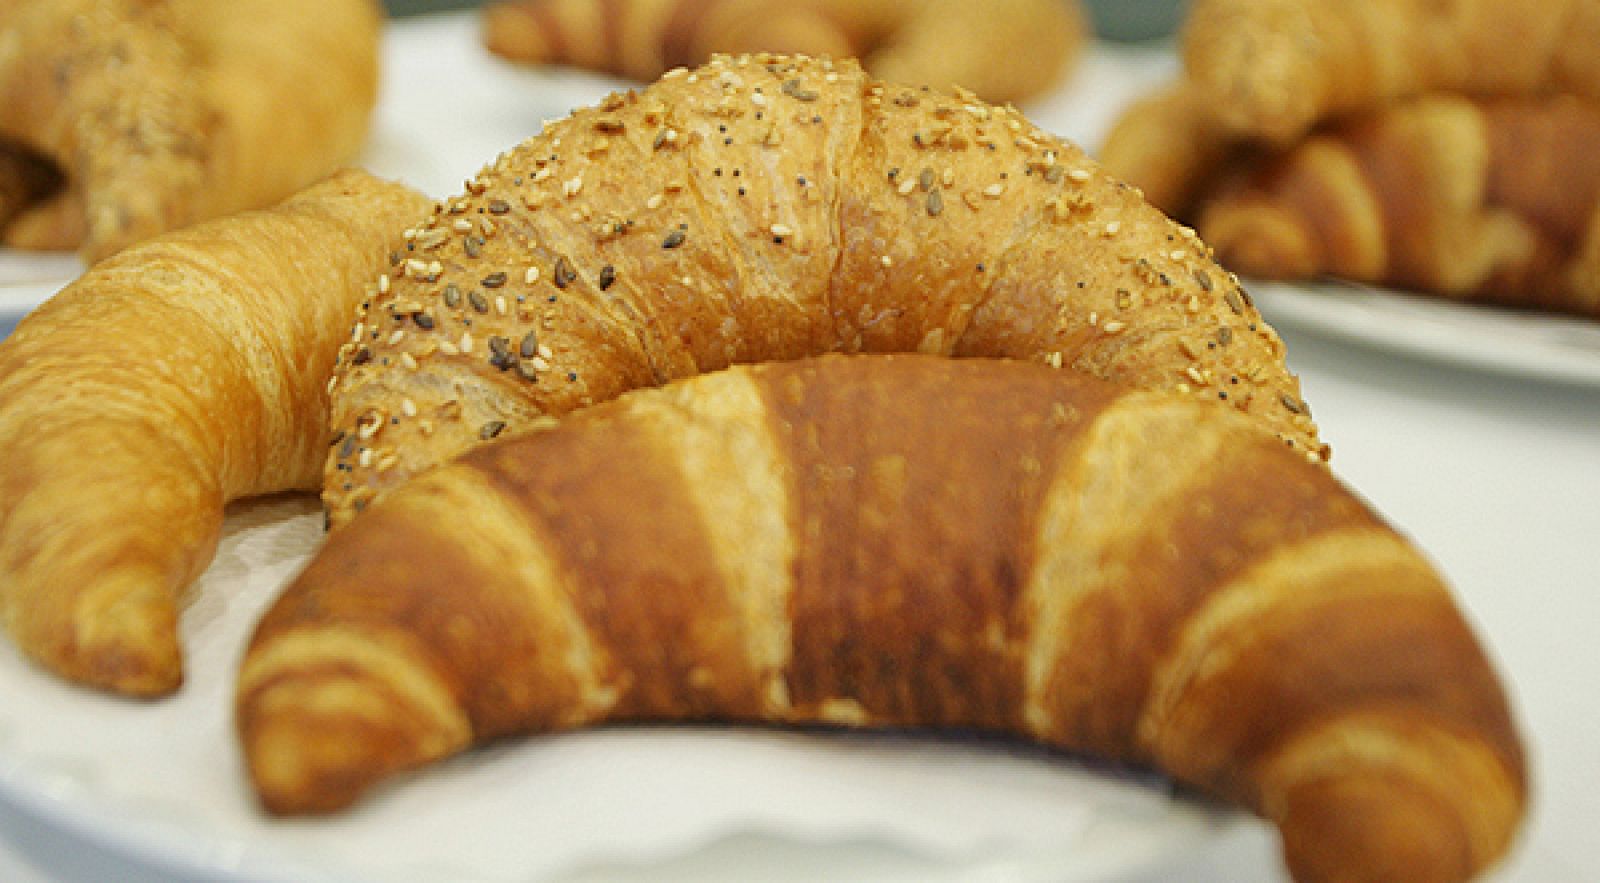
x=128, y=643
x=1390, y=828
x=315, y=741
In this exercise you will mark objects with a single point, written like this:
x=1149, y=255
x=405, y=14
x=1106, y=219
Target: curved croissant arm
x=1274, y=68
x=183, y=373
x=1003, y=50
x=771, y=207
x=166, y=112
x=908, y=541
x=1479, y=200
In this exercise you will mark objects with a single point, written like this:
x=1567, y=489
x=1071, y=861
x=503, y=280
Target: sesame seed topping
x=564, y=274
x=608, y=275
x=935, y=203
x=494, y=280
x=491, y=429
x=674, y=239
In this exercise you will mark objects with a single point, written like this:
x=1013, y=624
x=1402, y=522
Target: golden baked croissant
x=1492, y=200
x=1274, y=68
x=1004, y=50
x=180, y=374
x=1168, y=145
x=908, y=541
x=772, y=207
x=165, y=112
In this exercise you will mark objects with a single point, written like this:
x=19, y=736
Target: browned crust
x=925, y=542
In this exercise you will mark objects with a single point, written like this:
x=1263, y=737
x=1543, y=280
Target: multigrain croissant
x=908, y=541
x=161, y=113
x=1274, y=68
x=1483, y=200
x=771, y=207
x=1004, y=50
x=182, y=373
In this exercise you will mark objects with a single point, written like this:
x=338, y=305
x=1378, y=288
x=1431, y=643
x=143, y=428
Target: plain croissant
x=1274, y=68
x=1486, y=200
x=187, y=371
x=1003, y=50
x=771, y=207
x=908, y=541
x=161, y=113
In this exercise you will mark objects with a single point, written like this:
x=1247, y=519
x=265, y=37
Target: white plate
x=162, y=783
x=1544, y=346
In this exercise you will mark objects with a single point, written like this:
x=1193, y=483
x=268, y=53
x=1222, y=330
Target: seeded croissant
x=180, y=374
x=908, y=541
x=161, y=113
x=1004, y=50
x=772, y=207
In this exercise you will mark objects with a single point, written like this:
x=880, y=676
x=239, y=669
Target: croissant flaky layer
x=184, y=372
x=161, y=113
x=772, y=207
x=908, y=541
x=1004, y=50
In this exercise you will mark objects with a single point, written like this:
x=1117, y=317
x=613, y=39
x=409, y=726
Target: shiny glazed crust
x=908, y=541
x=182, y=373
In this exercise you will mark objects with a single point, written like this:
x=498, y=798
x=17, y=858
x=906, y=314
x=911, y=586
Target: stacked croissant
x=619, y=434
x=1443, y=147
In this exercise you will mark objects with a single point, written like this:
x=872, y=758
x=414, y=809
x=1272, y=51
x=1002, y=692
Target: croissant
x=1485, y=200
x=1168, y=145
x=161, y=113
x=908, y=542
x=1004, y=50
x=185, y=372
x=1274, y=68
x=770, y=207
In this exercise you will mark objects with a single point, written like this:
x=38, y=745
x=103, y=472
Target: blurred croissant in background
x=1003, y=50
x=1444, y=147
x=122, y=119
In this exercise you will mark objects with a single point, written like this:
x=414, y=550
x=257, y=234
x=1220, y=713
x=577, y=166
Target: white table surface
x=1496, y=476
